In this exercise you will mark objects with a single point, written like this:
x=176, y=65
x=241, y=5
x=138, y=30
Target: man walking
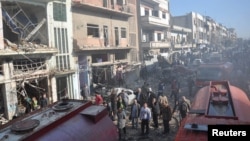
x=145, y=116
x=175, y=87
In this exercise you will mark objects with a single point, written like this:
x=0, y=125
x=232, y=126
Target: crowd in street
x=148, y=109
x=156, y=101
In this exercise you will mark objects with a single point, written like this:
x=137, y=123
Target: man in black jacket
x=155, y=112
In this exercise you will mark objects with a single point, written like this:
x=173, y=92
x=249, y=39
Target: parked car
x=197, y=62
x=130, y=93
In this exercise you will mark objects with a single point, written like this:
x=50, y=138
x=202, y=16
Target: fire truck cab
x=213, y=72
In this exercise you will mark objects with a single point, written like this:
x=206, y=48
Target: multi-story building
x=181, y=38
x=40, y=54
x=105, y=39
x=205, y=31
x=154, y=27
x=196, y=22
x=36, y=48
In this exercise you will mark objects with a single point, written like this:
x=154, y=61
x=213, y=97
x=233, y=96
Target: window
x=146, y=12
x=1, y=68
x=61, y=43
x=123, y=33
x=93, y=30
x=121, y=2
x=158, y=36
x=178, y=38
x=105, y=3
x=116, y=36
x=105, y=35
x=164, y=15
x=59, y=12
x=155, y=13
x=120, y=56
x=98, y=58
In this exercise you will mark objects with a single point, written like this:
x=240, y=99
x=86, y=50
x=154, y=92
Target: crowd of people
x=33, y=103
x=147, y=109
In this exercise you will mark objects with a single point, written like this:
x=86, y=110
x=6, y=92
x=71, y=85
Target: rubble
x=3, y=120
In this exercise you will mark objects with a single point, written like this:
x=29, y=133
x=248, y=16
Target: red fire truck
x=219, y=103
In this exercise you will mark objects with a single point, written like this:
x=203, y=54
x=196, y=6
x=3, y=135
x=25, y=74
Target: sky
x=230, y=13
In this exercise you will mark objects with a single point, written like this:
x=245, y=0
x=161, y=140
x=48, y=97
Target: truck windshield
x=209, y=73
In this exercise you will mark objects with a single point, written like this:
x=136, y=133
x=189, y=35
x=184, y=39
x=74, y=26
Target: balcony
x=26, y=48
x=155, y=45
x=153, y=22
x=154, y=1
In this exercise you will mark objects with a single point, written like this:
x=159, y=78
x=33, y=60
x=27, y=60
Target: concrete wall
x=82, y=18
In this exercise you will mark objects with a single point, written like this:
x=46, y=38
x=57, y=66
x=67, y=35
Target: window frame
x=93, y=30
x=123, y=32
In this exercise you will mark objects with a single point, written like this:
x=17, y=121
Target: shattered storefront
x=25, y=55
x=95, y=73
x=24, y=78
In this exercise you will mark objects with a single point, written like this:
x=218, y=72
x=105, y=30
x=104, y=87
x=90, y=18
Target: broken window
x=59, y=12
x=120, y=56
x=123, y=33
x=28, y=65
x=22, y=23
x=93, y=30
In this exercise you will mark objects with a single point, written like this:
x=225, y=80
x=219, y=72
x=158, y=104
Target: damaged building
x=105, y=39
x=35, y=53
x=56, y=46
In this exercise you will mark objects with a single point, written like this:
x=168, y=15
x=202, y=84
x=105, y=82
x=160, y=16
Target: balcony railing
x=154, y=1
x=154, y=21
x=154, y=44
x=187, y=45
x=99, y=6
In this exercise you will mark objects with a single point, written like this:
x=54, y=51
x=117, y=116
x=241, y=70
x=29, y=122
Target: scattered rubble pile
x=23, y=46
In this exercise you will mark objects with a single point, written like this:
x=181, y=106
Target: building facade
x=181, y=38
x=56, y=47
x=154, y=27
x=105, y=40
x=35, y=54
x=205, y=31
